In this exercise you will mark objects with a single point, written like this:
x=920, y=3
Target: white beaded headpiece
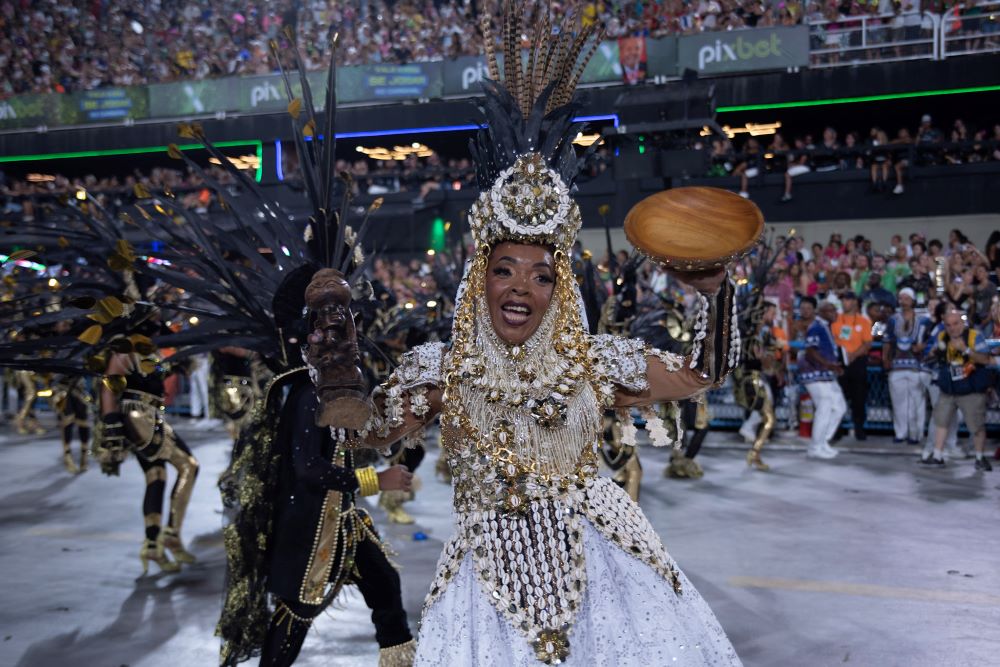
x=524, y=154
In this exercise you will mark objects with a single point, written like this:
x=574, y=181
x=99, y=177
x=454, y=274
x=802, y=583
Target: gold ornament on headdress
x=525, y=158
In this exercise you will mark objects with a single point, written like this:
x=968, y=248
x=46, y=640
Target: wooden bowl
x=694, y=228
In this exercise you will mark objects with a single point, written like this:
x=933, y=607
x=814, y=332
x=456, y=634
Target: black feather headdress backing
x=524, y=155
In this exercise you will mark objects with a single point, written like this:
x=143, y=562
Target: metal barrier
x=726, y=414
x=890, y=37
x=964, y=29
x=970, y=30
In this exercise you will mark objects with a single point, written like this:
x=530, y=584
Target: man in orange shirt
x=853, y=334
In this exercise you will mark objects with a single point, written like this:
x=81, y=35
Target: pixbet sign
x=264, y=92
x=741, y=49
x=473, y=75
x=761, y=49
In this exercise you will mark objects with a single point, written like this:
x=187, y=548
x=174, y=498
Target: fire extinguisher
x=805, y=415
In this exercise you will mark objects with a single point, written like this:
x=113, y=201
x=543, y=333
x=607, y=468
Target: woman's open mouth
x=515, y=313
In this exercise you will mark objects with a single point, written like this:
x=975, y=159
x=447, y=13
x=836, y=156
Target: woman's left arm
x=671, y=378
x=664, y=385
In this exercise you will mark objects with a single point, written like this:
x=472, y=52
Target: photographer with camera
x=961, y=356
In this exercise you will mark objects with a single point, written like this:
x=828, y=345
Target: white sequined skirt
x=630, y=616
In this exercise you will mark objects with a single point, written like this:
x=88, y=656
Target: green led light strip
x=256, y=143
x=853, y=100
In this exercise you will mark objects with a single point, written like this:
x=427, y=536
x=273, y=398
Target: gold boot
x=392, y=503
x=83, y=457
x=754, y=461
x=172, y=541
x=681, y=467
x=694, y=469
x=443, y=470
x=68, y=460
x=676, y=469
x=400, y=655
x=629, y=476
x=153, y=551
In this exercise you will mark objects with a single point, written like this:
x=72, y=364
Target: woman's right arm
x=409, y=400
x=410, y=421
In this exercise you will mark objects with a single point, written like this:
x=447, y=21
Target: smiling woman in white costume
x=550, y=562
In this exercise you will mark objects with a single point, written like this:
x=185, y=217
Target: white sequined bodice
x=529, y=479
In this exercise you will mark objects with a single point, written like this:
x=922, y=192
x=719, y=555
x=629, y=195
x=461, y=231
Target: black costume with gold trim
x=755, y=384
x=138, y=425
x=71, y=402
x=26, y=421
x=298, y=535
x=751, y=389
x=235, y=386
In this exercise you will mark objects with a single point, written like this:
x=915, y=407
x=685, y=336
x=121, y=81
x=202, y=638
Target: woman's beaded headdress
x=524, y=154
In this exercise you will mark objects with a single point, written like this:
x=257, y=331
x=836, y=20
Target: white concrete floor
x=865, y=560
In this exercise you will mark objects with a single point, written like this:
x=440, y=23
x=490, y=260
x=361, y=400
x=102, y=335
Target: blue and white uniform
x=823, y=387
x=907, y=387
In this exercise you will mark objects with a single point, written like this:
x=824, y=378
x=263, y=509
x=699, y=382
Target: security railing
x=969, y=30
x=908, y=34
x=724, y=413
x=891, y=37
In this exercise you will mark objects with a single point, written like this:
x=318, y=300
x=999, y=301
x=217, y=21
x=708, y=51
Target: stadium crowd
x=67, y=46
x=25, y=199
x=910, y=326
x=886, y=159
x=856, y=327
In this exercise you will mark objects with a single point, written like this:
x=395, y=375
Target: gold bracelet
x=367, y=480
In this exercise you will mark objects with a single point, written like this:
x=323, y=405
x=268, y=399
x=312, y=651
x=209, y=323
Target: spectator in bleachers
x=874, y=291
x=809, y=283
x=901, y=158
x=853, y=155
x=853, y=333
x=827, y=156
x=982, y=291
x=935, y=248
x=879, y=159
x=881, y=267
x=861, y=272
x=748, y=166
x=899, y=267
x=782, y=289
x=816, y=253
x=840, y=284
x=927, y=133
x=918, y=281
x=799, y=162
x=992, y=253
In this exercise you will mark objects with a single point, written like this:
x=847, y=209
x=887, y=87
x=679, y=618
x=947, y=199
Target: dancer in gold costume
x=25, y=420
x=71, y=402
x=131, y=406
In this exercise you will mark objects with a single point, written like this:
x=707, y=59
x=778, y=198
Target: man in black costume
x=309, y=549
x=317, y=539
